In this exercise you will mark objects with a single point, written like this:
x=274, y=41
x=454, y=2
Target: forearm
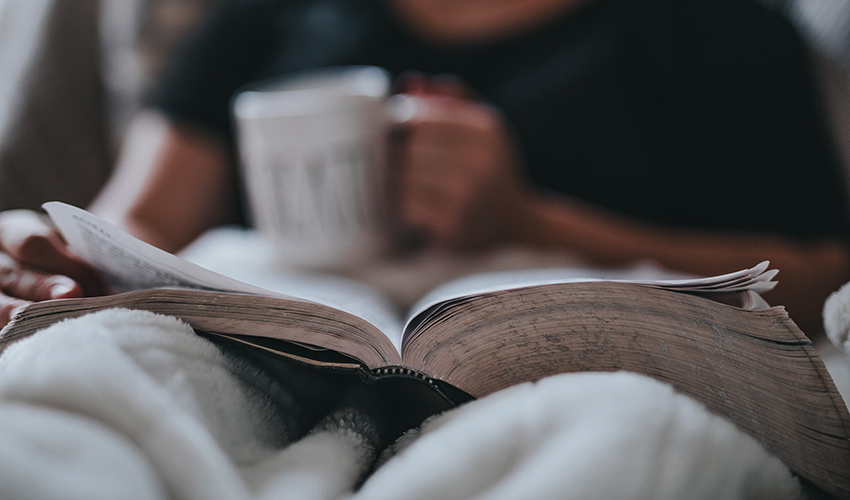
x=170, y=184
x=809, y=272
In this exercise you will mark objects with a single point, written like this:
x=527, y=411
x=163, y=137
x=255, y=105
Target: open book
x=471, y=337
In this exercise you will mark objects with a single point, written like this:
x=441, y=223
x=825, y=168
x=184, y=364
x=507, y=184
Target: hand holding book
x=36, y=264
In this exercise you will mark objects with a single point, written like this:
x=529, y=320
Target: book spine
x=401, y=371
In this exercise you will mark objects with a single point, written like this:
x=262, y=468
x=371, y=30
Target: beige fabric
x=137, y=38
x=71, y=100
x=54, y=144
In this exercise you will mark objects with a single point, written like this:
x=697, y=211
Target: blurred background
x=73, y=73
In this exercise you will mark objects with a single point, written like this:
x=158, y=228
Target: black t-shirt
x=688, y=113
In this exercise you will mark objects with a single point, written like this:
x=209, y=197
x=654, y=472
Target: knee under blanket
x=128, y=404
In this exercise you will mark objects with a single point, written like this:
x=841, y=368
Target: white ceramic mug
x=313, y=155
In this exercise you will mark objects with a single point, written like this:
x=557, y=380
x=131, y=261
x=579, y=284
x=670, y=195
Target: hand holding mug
x=457, y=170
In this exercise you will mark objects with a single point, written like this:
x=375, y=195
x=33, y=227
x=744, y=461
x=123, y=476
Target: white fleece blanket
x=128, y=404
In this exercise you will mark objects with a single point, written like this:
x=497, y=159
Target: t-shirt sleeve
x=226, y=52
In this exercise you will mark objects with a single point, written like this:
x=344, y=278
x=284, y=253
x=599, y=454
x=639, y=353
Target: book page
x=130, y=264
x=245, y=255
x=747, y=282
x=340, y=293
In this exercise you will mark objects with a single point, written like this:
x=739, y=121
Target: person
x=688, y=132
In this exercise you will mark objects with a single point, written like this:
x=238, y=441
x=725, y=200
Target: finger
x=451, y=187
x=428, y=193
x=23, y=282
x=411, y=82
x=444, y=84
x=449, y=136
x=447, y=120
x=403, y=109
x=440, y=145
x=457, y=110
x=430, y=160
x=436, y=182
x=436, y=168
x=458, y=168
x=435, y=220
x=28, y=238
x=408, y=108
x=450, y=85
x=433, y=204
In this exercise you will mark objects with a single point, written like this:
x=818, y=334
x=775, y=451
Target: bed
x=131, y=405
